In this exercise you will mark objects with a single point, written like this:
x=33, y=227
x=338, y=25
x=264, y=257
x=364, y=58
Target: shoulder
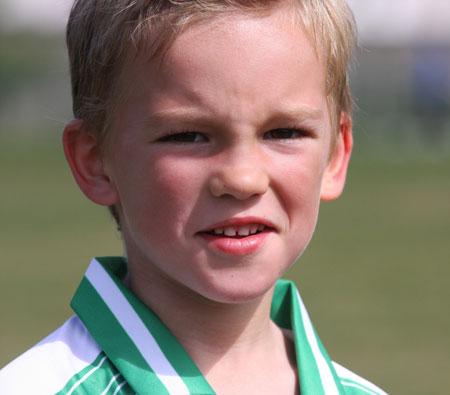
x=51, y=363
x=354, y=384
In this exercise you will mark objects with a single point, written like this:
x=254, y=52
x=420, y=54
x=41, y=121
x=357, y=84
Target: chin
x=235, y=288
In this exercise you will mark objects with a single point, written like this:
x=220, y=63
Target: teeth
x=230, y=232
x=245, y=230
x=253, y=228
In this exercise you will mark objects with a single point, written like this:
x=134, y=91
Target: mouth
x=237, y=236
x=239, y=228
x=237, y=232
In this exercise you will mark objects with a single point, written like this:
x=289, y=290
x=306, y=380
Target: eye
x=285, y=134
x=184, y=137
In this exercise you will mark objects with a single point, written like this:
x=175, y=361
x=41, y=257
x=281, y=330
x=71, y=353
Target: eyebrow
x=303, y=116
x=178, y=115
x=302, y=113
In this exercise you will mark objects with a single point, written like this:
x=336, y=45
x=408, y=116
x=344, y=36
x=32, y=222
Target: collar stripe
x=119, y=387
x=111, y=382
x=359, y=386
x=85, y=377
x=323, y=365
x=135, y=329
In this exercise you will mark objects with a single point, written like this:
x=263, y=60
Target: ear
x=85, y=160
x=336, y=171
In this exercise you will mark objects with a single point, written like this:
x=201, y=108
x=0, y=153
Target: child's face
x=231, y=134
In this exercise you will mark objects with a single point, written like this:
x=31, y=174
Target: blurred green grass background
x=375, y=276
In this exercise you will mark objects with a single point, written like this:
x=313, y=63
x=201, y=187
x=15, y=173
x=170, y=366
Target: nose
x=240, y=181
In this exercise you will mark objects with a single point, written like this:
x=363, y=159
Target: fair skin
x=217, y=162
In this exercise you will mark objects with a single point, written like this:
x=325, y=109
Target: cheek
x=300, y=186
x=176, y=183
x=159, y=200
x=301, y=180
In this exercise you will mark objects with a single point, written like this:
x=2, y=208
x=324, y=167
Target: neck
x=210, y=331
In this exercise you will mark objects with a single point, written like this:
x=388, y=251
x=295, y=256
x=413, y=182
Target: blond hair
x=100, y=33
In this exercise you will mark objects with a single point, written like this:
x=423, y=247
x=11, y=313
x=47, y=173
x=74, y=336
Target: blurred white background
x=381, y=22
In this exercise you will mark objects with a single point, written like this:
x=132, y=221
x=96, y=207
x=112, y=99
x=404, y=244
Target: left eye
x=283, y=134
x=184, y=137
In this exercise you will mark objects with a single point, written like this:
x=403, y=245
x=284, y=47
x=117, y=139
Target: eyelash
x=192, y=137
x=183, y=137
x=289, y=133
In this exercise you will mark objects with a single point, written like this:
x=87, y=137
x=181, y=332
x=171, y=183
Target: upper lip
x=241, y=221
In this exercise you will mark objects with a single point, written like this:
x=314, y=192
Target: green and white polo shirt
x=115, y=345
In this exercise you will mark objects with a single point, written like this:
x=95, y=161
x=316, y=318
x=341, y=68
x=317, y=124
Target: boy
x=212, y=130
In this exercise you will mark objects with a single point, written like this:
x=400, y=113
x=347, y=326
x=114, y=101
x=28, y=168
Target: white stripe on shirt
x=135, y=328
x=326, y=376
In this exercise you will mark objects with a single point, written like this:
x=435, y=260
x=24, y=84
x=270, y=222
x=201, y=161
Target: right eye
x=184, y=137
x=285, y=134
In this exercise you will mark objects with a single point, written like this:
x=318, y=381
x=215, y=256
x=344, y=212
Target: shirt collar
x=152, y=360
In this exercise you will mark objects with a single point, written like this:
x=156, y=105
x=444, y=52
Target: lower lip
x=239, y=247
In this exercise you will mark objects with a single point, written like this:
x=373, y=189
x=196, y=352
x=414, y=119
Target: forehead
x=265, y=59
